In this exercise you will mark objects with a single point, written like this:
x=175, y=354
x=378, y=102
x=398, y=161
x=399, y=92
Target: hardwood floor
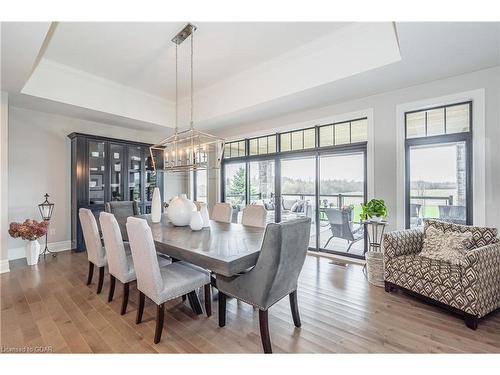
x=51, y=305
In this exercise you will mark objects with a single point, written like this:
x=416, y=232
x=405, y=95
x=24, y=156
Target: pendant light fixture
x=191, y=149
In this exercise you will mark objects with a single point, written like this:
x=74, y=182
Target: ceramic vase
x=32, y=252
x=204, y=215
x=156, y=206
x=196, y=222
x=180, y=209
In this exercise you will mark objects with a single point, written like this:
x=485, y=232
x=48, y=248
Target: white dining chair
x=254, y=216
x=162, y=284
x=120, y=264
x=96, y=253
x=222, y=212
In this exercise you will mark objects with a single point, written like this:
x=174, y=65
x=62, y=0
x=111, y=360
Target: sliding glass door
x=261, y=186
x=235, y=187
x=342, y=185
x=298, y=191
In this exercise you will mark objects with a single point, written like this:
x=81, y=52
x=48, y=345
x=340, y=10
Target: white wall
x=40, y=162
x=4, y=138
x=384, y=118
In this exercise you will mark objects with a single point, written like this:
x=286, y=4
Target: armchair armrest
x=481, y=278
x=403, y=242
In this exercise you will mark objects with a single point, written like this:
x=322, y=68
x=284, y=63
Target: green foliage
x=375, y=207
x=236, y=189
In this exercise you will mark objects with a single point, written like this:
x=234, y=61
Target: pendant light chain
x=192, y=84
x=176, y=92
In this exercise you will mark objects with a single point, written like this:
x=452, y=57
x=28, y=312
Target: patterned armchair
x=471, y=290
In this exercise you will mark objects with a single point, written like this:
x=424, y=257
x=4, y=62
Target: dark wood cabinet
x=107, y=169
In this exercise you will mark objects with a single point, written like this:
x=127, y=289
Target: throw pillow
x=450, y=247
x=481, y=236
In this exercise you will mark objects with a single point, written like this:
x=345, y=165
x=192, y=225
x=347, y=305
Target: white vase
x=180, y=209
x=196, y=222
x=32, y=252
x=156, y=206
x=204, y=215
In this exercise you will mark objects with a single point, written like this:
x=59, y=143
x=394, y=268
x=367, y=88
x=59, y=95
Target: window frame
x=466, y=137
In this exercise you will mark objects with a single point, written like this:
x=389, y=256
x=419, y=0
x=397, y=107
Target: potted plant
x=30, y=231
x=375, y=210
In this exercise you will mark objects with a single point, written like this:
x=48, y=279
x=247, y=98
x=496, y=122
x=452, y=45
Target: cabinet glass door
x=116, y=157
x=97, y=169
x=151, y=175
x=135, y=169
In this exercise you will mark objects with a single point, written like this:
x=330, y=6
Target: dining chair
x=254, y=215
x=162, y=284
x=120, y=264
x=122, y=209
x=96, y=253
x=274, y=276
x=222, y=212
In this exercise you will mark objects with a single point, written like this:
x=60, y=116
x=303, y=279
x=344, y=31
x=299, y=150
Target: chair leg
x=208, y=299
x=101, y=280
x=160, y=313
x=194, y=302
x=125, y=298
x=327, y=242
x=91, y=273
x=183, y=298
x=140, y=308
x=295, y=308
x=112, y=282
x=264, y=331
x=471, y=321
x=222, y=309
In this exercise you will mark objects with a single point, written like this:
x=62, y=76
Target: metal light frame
x=46, y=208
x=187, y=150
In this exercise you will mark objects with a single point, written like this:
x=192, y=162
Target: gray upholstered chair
x=275, y=275
x=254, y=215
x=222, y=212
x=120, y=264
x=162, y=284
x=96, y=253
x=122, y=209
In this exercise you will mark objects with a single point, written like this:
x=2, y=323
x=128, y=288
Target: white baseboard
x=19, y=252
x=4, y=266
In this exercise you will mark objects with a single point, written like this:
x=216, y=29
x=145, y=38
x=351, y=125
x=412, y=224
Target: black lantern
x=46, y=209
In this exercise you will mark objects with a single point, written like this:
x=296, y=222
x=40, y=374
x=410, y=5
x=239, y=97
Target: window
x=234, y=149
x=262, y=145
x=439, y=164
x=200, y=186
x=317, y=172
x=298, y=140
x=343, y=133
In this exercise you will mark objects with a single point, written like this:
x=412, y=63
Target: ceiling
x=141, y=54
x=244, y=72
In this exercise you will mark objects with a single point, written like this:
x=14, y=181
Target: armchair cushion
x=481, y=236
x=446, y=246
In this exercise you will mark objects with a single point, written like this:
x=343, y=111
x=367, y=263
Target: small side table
x=374, y=266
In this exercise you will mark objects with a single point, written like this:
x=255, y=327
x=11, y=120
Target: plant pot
x=375, y=267
x=32, y=252
x=376, y=219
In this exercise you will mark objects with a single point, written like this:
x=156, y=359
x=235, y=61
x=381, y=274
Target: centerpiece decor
x=30, y=231
x=180, y=210
x=156, y=206
x=187, y=150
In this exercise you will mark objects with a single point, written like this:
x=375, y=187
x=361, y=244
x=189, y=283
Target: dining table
x=223, y=248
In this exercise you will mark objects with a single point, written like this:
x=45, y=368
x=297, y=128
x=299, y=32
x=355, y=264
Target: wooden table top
x=223, y=248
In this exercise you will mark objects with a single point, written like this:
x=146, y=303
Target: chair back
x=222, y=212
x=122, y=209
x=453, y=214
x=95, y=250
x=115, y=250
x=281, y=258
x=340, y=223
x=147, y=269
x=254, y=215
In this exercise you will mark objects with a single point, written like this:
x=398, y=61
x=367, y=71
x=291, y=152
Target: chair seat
x=435, y=271
x=180, y=278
